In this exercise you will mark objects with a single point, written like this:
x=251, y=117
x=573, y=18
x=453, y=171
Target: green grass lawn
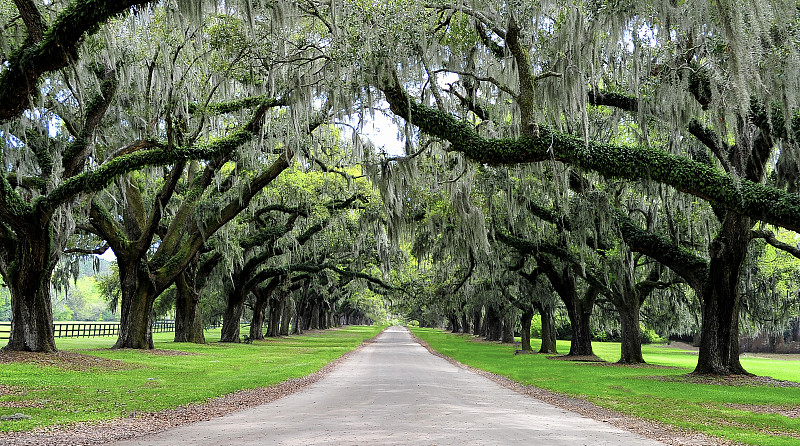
x=149, y=382
x=653, y=393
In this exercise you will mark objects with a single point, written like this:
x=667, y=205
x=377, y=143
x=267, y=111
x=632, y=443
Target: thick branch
x=631, y=163
x=56, y=49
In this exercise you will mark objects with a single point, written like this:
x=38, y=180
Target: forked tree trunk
x=719, y=334
x=188, y=317
x=580, y=312
x=28, y=278
x=455, y=327
x=315, y=315
x=464, y=323
x=493, y=324
x=275, y=311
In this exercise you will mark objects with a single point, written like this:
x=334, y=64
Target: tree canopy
x=605, y=160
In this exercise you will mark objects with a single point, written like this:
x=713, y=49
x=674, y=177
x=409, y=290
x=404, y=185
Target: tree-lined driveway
x=393, y=392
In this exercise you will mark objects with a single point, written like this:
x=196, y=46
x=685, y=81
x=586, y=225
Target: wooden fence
x=87, y=329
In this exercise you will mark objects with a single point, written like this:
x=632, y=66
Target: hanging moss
x=614, y=161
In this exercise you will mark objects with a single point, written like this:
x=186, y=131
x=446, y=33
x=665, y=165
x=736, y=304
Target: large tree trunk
x=257, y=323
x=28, y=278
x=232, y=317
x=136, y=312
x=525, y=334
x=286, y=315
x=493, y=324
x=455, y=327
x=275, y=311
x=509, y=323
x=315, y=310
x=548, y=328
x=631, y=349
x=476, y=320
x=719, y=334
x=188, y=317
x=580, y=312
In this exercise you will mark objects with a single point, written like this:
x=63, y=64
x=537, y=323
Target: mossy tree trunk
x=548, y=329
x=27, y=274
x=188, y=317
x=525, y=334
x=136, y=305
x=286, y=315
x=631, y=345
x=477, y=313
x=719, y=333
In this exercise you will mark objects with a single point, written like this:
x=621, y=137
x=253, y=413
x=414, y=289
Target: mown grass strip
x=174, y=375
x=656, y=392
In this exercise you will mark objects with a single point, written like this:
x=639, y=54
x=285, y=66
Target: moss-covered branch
x=75, y=156
x=691, y=267
x=101, y=177
x=758, y=201
x=219, y=108
x=56, y=49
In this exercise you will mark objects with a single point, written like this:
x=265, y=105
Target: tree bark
x=493, y=325
x=719, y=334
x=580, y=311
x=257, y=323
x=136, y=302
x=188, y=317
x=476, y=321
x=548, y=328
x=232, y=317
x=455, y=327
x=464, y=322
x=525, y=335
x=275, y=310
x=631, y=348
x=509, y=322
x=286, y=315
x=28, y=278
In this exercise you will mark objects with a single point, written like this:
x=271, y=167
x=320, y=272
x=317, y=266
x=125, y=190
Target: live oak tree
x=53, y=145
x=723, y=82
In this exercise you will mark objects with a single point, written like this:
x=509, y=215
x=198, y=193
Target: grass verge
x=758, y=412
x=106, y=384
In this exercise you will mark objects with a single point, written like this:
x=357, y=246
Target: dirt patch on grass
x=160, y=352
x=578, y=358
x=786, y=411
x=733, y=381
x=64, y=360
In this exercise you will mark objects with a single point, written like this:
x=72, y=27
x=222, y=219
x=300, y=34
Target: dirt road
x=393, y=392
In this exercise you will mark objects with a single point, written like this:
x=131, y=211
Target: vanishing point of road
x=394, y=392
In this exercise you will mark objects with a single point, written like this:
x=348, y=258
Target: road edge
x=142, y=424
x=653, y=430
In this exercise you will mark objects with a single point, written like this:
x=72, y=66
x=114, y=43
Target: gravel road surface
x=393, y=392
